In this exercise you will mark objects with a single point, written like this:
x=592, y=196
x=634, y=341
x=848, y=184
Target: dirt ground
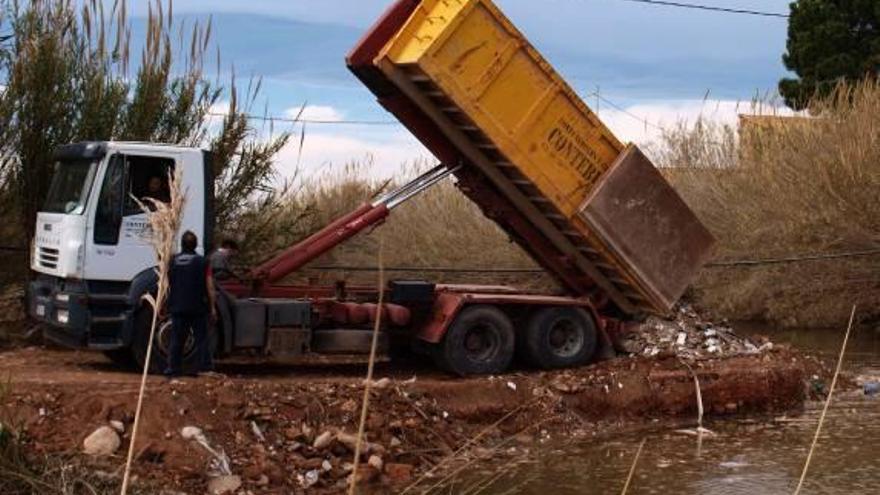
x=288, y=428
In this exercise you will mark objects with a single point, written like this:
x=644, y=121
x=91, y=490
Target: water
x=756, y=455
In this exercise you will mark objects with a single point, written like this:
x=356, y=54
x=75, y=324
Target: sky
x=653, y=66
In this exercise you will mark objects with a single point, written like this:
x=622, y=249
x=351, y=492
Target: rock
x=872, y=388
x=312, y=464
x=224, y=484
x=293, y=433
x=310, y=478
x=376, y=462
x=102, y=442
x=191, y=432
x=398, y=473
x=263, y=480
x=323, y=441
x=395, y=442
x=119, y=426
x=348, y=439
x=365, y=474
x=308, y=433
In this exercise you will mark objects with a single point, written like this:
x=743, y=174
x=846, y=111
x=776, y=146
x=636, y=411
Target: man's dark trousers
x=181, y=323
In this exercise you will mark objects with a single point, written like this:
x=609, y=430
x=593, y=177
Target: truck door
x=119, y=247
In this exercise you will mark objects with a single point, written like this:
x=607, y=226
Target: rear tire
x=559, y=337
x=159, y=356
x=479, y=342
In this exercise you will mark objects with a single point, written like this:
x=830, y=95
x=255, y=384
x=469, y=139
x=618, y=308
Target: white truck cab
x=91, y=250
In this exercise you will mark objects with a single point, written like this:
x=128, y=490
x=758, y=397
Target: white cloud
x=325, y=149
x=644, y=123
x=390, y=148
x=220, y=107
x=315, y=112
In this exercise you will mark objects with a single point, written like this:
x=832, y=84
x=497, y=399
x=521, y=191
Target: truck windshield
x=70, y=186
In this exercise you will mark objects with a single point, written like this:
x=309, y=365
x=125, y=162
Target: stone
x=365, y=473
x=310, y=478
x=382, y=383
x=395, y=442
x=376, y=462
x=102, y=442
x=191, y=432
x=222, y=485
x=348, y=439
x=312, y=463
x=119, y=426
x=293, y=433
x=398, y=472
x=308, y=432
x=323, y=440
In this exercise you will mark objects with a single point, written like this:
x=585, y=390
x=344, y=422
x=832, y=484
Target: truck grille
x=48, y=257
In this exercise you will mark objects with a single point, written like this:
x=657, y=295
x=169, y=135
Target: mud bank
x=284, y=429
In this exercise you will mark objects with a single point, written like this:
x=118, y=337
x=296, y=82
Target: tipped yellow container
x=470, y=71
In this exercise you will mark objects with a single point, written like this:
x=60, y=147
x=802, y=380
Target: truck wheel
x=479, y=342
x=161, y=343
x=559, y=337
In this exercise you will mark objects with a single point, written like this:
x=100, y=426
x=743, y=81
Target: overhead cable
x=726, y=10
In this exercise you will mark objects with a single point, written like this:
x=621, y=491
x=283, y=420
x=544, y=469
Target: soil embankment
x=287, y=428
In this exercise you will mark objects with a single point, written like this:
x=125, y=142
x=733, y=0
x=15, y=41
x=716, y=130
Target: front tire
x=559, y=337
x=479, y=342
x=161, y=340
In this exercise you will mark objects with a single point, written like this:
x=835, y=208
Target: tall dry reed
x=779, y=186
x=164, y=220
x=438, y=228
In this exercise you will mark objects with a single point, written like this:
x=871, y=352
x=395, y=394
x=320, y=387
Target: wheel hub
x=163, y=339
x=480, y=342
x=565, y=339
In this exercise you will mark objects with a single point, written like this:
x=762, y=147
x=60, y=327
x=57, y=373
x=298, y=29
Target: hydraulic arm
x=343, y=228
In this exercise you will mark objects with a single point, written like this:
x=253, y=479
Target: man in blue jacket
x=190, y=301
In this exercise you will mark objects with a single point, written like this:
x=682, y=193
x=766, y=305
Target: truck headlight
x=62, y=316
x=62, y=297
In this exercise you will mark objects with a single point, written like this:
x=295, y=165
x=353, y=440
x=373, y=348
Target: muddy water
x=751, y=456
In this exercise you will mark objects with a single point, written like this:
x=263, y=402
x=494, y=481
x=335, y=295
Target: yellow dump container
x=475, y=76
x=482, y=63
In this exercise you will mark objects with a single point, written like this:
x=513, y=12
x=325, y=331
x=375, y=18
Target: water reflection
x=748, y=456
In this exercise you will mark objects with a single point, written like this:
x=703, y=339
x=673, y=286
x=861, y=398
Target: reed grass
x=784, y=186
x=368, y=382
x=803, y=477
x=164, y=220
x=632, y=468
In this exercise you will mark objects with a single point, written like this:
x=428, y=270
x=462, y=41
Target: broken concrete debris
x=102, y=442
x=688, y=335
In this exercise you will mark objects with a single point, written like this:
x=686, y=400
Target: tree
x=64, y=77
x=829, y=42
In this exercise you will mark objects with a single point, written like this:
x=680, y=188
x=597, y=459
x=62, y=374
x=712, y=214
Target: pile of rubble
x=686, y=334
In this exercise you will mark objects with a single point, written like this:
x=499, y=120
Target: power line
x=794, y=259
x=726, y=10
x=627, y=112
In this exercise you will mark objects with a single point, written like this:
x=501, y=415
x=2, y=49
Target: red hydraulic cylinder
x=320, y=242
